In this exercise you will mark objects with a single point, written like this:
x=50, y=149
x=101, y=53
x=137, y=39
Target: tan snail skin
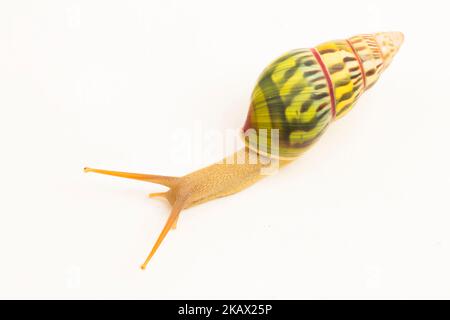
x=297, y=96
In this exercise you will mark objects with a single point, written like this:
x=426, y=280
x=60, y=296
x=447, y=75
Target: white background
x=364, y=214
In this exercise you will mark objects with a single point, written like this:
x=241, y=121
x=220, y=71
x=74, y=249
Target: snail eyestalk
x=171, y=222
x=164, y=180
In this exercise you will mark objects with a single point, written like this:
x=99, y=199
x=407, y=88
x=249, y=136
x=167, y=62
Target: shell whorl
x=299, y=94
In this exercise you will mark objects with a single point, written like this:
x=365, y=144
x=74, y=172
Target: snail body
x=296, y=97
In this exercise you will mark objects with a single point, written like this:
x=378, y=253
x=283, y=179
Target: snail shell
x=303, y=91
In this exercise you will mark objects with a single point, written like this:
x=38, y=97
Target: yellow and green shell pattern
x=303, y=91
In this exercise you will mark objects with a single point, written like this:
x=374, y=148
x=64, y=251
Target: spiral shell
x=303, y=91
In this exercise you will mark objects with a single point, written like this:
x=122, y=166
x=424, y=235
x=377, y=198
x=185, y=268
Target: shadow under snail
x=295, y=99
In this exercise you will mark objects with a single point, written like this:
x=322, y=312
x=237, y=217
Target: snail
x=295, y=99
